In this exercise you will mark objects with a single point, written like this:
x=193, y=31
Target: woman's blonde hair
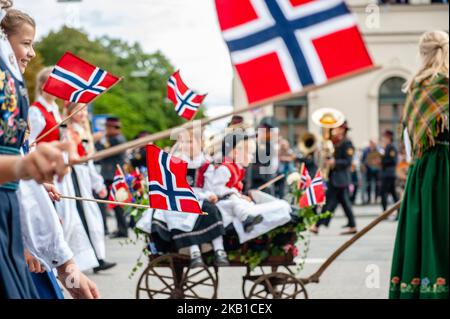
x=14, y=18
x=433, y=47
x=41, y=78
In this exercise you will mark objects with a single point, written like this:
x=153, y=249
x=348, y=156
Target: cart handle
x=315, y=277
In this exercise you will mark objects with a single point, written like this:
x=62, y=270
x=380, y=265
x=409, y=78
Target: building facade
x=372, y=102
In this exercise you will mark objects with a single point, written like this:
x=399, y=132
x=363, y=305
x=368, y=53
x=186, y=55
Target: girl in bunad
x=192, y=230
x=16, y=50
x=86, y=180
x=250, y=216
x=43, y=115
x=420, y=265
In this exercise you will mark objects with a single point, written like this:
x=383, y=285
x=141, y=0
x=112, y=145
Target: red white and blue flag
x=78, y=81
x=185, y=100
x=278, y=47
x=119, y=189
x=168, y=188
x=305, y=179
x=315, y=193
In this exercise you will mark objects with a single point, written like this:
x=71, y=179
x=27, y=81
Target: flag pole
x=166, y=133
x=67, y=118
x=104, y=201
x=272, y=181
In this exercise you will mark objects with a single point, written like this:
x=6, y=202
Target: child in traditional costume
x=250, y=216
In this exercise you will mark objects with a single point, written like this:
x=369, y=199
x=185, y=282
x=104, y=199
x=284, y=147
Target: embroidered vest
x=237, y=175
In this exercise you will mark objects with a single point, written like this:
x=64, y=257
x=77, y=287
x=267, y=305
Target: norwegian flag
x=77, y=81
x=168, y=188
x=185, y=100
x=315, y=193
x=305, y=179
x=119, y=189
x=278, y=47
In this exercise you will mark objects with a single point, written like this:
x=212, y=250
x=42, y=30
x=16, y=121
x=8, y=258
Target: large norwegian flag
x=281, y=46
x=315, y=193
x=185, y=100
x=78, y=81
x=168, y=188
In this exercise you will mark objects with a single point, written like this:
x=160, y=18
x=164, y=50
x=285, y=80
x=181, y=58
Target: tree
x=139, y=102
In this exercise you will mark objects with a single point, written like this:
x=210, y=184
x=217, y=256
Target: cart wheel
x=277, y=285
x=200, y=283
x=161, y=279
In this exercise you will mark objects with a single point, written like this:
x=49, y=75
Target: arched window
x=292, y=116
x=391, y=101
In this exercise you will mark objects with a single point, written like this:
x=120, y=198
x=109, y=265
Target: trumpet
x=327, y=119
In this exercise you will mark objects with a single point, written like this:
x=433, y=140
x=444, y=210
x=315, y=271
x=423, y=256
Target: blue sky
x=186, y=31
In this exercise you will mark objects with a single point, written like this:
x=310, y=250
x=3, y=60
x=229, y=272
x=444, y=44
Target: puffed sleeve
x=42, y=232
x=219, y=180
x=37, y=123
x=96, y=179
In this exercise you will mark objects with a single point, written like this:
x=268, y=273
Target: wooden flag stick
x=66, y=119
x=272, y=181
x=166, y=133
x=104, y=201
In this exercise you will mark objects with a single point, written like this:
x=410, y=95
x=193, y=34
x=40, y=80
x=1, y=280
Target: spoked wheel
x=200, y=283
x=161, y=279
x=277, y=285
x=168, y=277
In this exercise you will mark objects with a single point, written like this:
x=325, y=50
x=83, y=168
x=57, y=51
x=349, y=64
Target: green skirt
x=420, y=266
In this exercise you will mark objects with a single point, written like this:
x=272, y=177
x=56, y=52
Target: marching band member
x=43, y=115
x=86, y=180
x=420, y=265
x=250, y=219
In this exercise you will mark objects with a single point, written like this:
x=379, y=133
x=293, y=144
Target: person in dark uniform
x=388, y=169
x=139, y=155
x=266, y=163
x=339, y=179
x=113, y=137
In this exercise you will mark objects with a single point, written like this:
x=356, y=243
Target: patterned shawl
x=426, y=113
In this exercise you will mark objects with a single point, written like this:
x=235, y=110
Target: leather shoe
x=250, y=222
x=118, y=235
x=197, y=261
x=221, y=258
x=104, y=265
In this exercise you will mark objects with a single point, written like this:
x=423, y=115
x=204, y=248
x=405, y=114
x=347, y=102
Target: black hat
x=345, y=126
x=231, y=140
x=236, y=119
x=388, y=133
x=113, y=121
x=268, y=122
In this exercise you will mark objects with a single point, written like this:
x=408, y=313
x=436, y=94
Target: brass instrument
x=308, y=144
x=327, y=119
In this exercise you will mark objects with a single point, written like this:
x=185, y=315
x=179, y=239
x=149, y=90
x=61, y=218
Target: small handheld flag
x=185, y=100
x=78, y=81
x=168, y=188
x=305, y=179
x=314, y=194
x=119, y=189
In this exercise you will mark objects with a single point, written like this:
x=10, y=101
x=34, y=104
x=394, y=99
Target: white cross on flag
x=280, y=47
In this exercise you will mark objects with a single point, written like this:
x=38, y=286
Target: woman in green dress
x=420, y=265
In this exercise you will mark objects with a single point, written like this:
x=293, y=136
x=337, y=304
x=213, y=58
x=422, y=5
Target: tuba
x=308, y=144
x=327, y=119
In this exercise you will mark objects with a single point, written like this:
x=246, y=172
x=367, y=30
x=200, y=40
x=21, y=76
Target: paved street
x=360, y=272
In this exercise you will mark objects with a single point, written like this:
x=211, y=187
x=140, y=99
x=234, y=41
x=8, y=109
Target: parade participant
x=339, y=179
x=420, y=265
x=371, y=160
x=112, y=137
x=250, y=219
x=266, y=161
x=87, y=180
x=44, y=114
x=389, y=162
x=193, y=230
x=16, y=50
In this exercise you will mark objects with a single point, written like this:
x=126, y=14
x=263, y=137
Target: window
x=391, y=101
x=292, y=116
